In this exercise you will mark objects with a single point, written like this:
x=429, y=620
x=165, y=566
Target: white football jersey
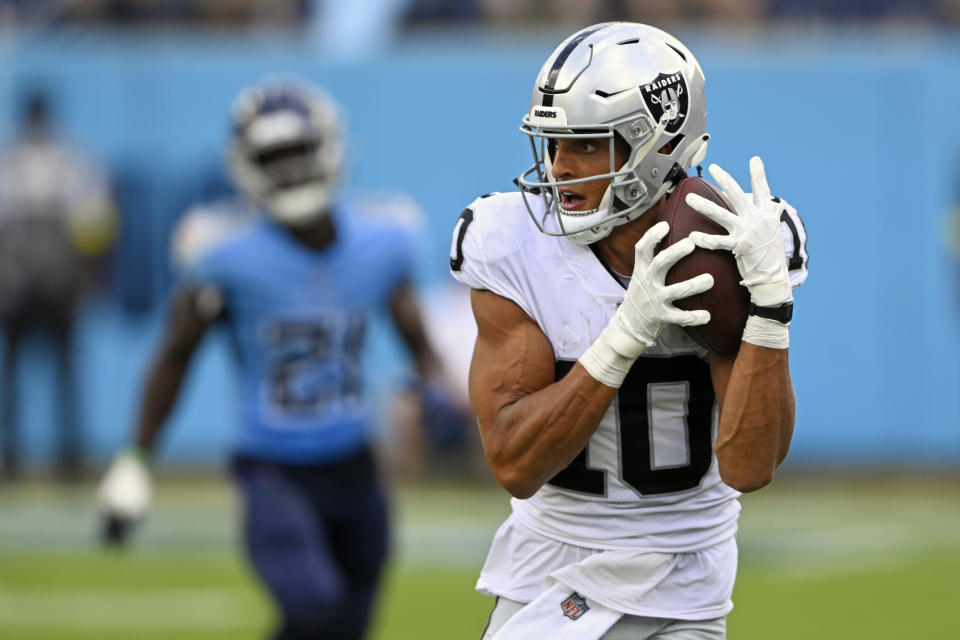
x=648, y=478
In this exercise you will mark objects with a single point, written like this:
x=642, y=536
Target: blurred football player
x=57, y=224
x=624, y=443
x=295, y=283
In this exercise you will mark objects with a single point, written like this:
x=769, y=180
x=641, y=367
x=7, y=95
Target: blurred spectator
x=508, y=12
x=857, y=10
x=551, y=13
x=57, y=220
x=950, y=231
x=436, y=11
x=350, y=23
x=218, y=13
x=28, y=10
x=358, y=27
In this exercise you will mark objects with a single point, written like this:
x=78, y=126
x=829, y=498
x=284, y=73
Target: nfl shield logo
x=574, y=606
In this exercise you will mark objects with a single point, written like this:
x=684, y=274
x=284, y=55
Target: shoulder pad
x=205, y=227
x=487, y=229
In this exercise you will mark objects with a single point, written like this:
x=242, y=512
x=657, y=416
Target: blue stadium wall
x=859, y=131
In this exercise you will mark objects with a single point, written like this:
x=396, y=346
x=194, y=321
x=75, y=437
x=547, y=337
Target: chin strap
x=534, y=190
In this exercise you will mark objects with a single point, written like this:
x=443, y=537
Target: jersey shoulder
x=794, y=234
x=229, y=249
x=205, y=227
x=489, y=237
x=497, y=247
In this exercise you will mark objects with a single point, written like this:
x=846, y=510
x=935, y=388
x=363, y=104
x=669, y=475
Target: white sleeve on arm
x=484, y=252
x=794, y=235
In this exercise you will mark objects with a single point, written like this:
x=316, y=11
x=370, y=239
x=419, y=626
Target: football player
x=295, y=285
x=624, y=443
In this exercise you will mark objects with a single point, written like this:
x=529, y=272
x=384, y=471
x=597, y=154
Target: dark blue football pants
x=318, y=537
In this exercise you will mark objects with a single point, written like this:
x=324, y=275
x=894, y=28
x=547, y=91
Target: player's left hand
x=123, y=497
x=754, y=234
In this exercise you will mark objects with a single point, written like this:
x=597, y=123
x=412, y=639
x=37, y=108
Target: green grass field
x=820, y=558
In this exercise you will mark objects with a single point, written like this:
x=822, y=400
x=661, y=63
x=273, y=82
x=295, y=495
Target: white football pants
x=545, y=618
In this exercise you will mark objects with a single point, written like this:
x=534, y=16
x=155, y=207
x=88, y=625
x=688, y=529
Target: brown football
x=727, y=301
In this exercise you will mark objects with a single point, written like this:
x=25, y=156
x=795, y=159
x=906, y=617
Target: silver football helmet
x=616, y=80
x=286, y=153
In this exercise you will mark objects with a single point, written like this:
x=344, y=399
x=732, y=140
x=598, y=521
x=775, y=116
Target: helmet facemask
x=625, y=195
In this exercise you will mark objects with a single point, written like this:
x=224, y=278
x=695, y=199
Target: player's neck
x=617, y=249
x=316, y=235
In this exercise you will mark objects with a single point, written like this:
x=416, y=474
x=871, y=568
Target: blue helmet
x=286, y=151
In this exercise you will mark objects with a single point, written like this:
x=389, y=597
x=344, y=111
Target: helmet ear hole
x=668, y=148
x=621, y=150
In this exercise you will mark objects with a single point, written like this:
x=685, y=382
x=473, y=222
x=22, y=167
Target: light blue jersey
x=297, y=318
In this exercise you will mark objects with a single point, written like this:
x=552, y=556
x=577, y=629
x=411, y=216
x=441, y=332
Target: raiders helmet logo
x=667, y=94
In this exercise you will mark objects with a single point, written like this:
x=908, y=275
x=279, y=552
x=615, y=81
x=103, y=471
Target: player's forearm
x=408, y=321
x=190, y=317
x=160, y=393
x=530, y=440
x=756, y=420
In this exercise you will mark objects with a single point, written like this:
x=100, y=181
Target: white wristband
x=604, y=362
x=764, y=332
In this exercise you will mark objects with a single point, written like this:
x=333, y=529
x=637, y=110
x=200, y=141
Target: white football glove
x=754, y=238
x=124, y=496
x=646, y=309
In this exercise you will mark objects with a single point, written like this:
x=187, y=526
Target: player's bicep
x=408, y=321
x=405, y=314
x=512, y=358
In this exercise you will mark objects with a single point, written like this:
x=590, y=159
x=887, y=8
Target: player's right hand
x=123, y=497
x=648, y=303
x=753, y=234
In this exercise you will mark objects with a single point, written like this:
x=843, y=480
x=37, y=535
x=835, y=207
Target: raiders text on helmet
x=615, y=80
x=286, y=153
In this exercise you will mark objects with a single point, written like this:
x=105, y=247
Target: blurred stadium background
x=852, y=105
